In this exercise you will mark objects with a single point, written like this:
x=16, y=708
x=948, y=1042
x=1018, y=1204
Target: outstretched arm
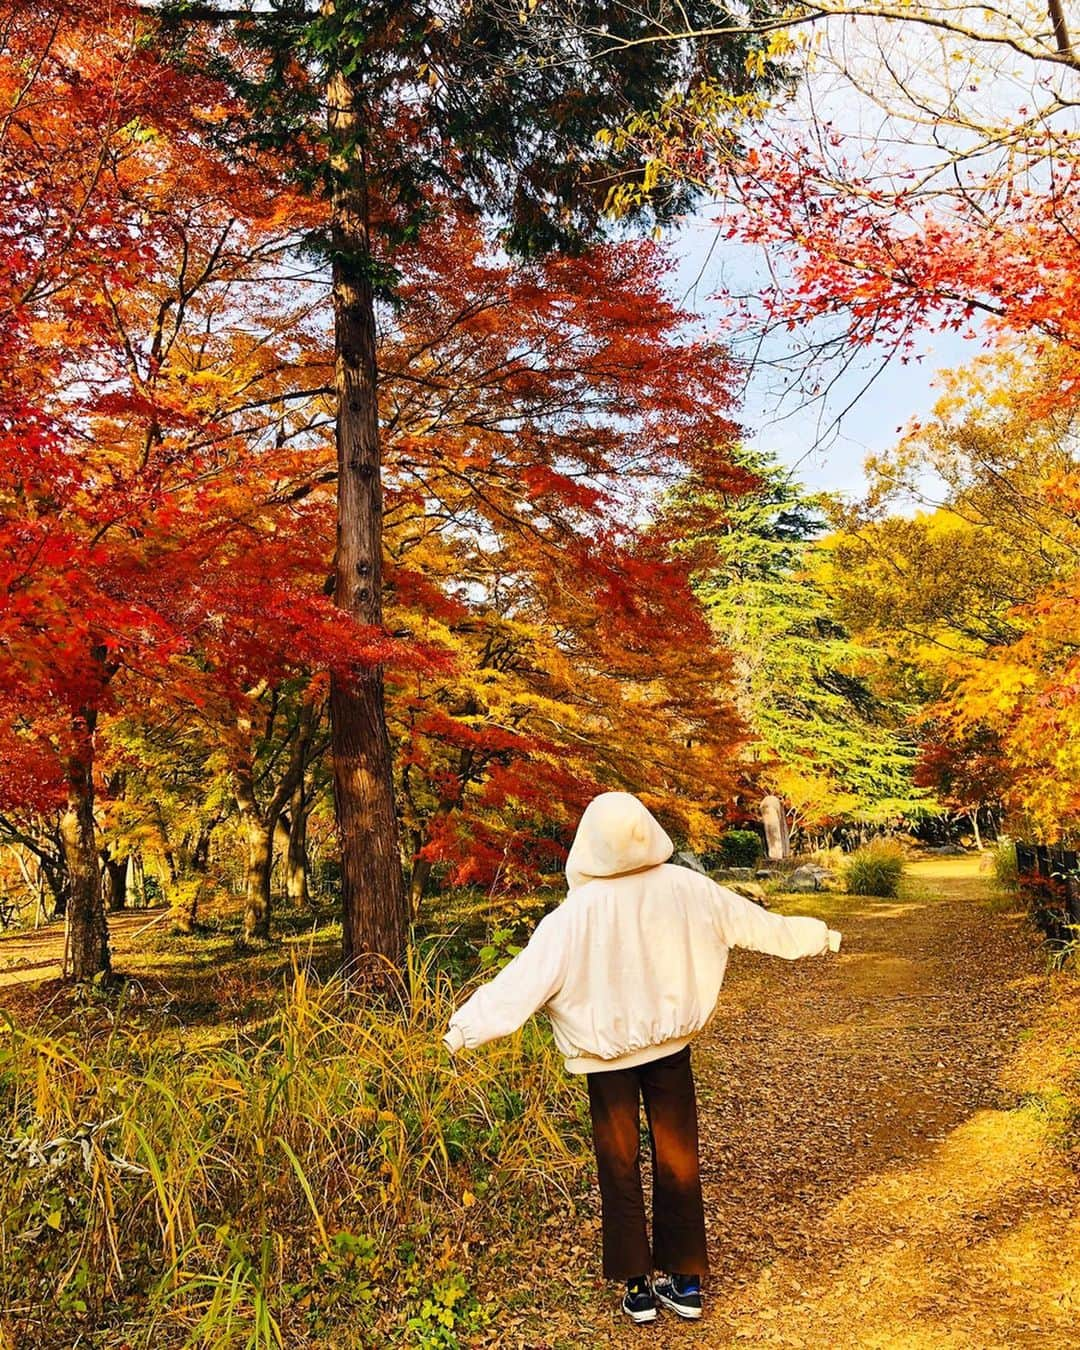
x=523, y=985
x=741, y=923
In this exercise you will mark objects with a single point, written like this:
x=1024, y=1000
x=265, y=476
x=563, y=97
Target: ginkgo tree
x=973, y=598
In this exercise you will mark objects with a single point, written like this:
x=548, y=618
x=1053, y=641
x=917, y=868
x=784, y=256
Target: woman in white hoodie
x=628, y=969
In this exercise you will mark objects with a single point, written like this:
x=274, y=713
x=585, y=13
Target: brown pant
x=667, y=1086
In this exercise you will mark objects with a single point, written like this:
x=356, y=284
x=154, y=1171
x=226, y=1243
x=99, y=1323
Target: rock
x=805, y=879
x=763, y=874
x=734, y=874
x=750, y=890
x=691, y=860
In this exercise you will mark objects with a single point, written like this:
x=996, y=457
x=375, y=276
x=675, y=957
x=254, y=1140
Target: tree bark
x=260, y=820
x=418, y=879
x=59, y=883
x=296, y=859
x=374, y=901
x=260, y=858
x=86, y=913
x=115, y=883
x=1056, y=11
x=195, y=859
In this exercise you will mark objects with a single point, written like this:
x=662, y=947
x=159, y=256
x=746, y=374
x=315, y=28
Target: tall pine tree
x=838, y=748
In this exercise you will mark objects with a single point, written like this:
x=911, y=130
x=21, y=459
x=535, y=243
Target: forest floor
x=888, y=1136
x=31, y=954
x=885, y=1142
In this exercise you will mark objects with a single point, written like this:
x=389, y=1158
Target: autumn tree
x=150, y=541
x=950, y=206
x=971, y=596
x=532, y=412
x=502, y=110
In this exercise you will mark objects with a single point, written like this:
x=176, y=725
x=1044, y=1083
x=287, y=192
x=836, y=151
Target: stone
x=763, y=874
x=691, y=860
x=805, y=879
x=774, y=818
x=750, y=890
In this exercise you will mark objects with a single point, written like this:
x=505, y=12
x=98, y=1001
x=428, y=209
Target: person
x=628, y=968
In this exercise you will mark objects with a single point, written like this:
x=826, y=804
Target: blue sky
x=784, y=422
x=881, y=87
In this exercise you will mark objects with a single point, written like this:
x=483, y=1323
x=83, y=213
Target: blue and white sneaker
x=638, y=1302
x=680, y=1293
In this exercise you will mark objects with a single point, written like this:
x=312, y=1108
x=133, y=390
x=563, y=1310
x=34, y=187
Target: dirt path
x=877, y=1140
x=30, y=955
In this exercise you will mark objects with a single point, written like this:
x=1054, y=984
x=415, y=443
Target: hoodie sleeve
x=741, y=923
x=523, y=986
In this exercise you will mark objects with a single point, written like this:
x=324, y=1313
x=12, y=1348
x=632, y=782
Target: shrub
x=739, y=848
x=833, y=858
x=875, y=869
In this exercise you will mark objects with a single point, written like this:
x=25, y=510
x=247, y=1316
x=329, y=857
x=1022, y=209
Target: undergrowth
x=1004, y=866
x=315, y=1178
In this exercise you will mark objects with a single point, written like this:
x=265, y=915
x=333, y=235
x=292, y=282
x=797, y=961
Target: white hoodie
x=629, y=966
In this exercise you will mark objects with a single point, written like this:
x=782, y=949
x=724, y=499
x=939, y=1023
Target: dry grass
x=269, y=1185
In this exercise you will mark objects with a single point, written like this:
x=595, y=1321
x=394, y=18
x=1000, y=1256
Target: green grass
x=1004, y=866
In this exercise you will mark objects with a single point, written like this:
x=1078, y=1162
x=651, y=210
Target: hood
x=616, y=834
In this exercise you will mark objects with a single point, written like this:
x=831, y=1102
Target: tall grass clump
x=1004, y=866
x=875, y=869
x=311, y=1181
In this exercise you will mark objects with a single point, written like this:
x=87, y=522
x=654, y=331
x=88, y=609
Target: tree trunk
x=374, y=902
x=421, y=870
x=296, y=859
x=138, y=876
x=185, y=904
x=115, y=883
x=58, y=881
x=86, y=914
x=260, y=859
x=974, y=817
x=188, y=893
x=1063, y=41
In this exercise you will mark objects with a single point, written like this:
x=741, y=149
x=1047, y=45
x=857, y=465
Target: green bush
x=875, y=869
x=739, y=848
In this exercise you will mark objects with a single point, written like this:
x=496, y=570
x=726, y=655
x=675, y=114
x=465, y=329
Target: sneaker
x=680, y=1293
x=638, y=1302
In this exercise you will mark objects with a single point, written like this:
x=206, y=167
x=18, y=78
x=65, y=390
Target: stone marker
x=776, y=832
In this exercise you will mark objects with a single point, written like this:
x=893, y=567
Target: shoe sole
x=690, y=1314
x=640, y=1317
